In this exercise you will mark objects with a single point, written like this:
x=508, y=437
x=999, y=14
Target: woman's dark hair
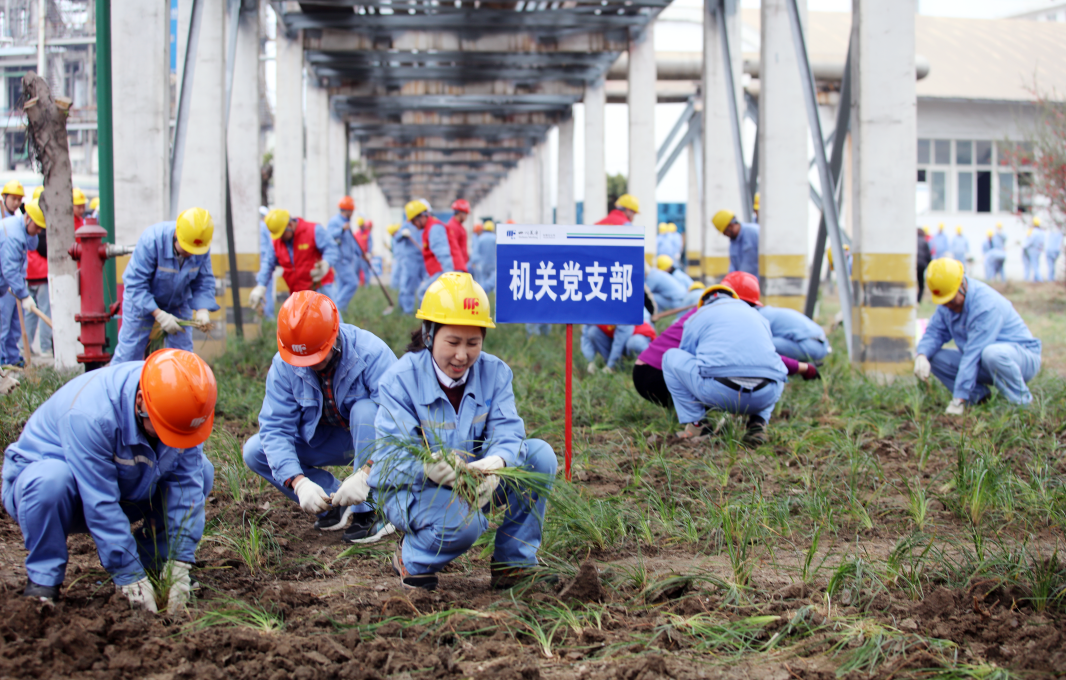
x=418, y=342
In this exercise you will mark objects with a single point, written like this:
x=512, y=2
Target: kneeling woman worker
x=448, y=395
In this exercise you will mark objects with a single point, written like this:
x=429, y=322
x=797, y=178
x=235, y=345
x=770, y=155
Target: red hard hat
x=746, y=286
x=346, y=203
x=461, y=206
x=308, y=323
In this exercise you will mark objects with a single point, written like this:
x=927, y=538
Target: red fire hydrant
x=91, y=252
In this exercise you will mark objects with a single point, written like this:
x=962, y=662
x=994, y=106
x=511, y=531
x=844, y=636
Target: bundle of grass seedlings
x=157, y=338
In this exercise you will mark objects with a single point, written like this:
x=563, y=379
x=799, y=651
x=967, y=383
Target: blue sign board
x=570, y=274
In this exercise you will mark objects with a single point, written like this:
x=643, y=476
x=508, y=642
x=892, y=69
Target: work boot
x=36, y=591
x=333, y=519
x=411, y=581
x=504, y=578
x=756, y=434
x=366, y=527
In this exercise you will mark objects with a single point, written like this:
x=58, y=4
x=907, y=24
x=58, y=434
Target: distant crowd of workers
x=427, y=434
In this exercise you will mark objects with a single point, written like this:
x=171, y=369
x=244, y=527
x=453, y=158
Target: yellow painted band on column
x=649, y=258
x=795, y=302
x=884, y=322
x=783, y=266
x=889, y=267
x=887, y=369
x=716, y=265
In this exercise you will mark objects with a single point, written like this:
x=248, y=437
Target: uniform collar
x=443, y=378
x=430, y=390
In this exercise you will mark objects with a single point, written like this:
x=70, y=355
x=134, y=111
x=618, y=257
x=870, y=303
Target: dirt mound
x=586, y=586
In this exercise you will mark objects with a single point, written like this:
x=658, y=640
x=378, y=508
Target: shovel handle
x=671, y=312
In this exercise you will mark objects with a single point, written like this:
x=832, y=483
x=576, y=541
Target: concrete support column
x=317, y=156
x=721, y=186
x=641, y=102
x=338, y=161
x=566, y=208
x=783, y=140
x=544, y=180
x=289, y=118
x=516, y=188
x=595, y=153
x=693, y=245
x=140, y=70
x=883, y=128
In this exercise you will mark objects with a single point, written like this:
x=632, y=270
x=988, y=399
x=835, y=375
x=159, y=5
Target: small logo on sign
x=299, y=349
x=472, y=304
x=510, y=233
x=197, y=422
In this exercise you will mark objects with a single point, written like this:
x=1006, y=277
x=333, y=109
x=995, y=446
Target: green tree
x=616, y=186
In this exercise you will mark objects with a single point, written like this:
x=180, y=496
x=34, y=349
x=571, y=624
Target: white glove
x=406, y=233
x=608, y=369
x=488, y=485
x=202, y=317
x=319, y=271
x=443, y=471
x=180, y=584
x=922, y=367
x=255, y=298
x=353, y=491
x=140, y=594
x=313, y=498
x=168, y=322
x=592, y=368
x=28, y=305
x=956, y=407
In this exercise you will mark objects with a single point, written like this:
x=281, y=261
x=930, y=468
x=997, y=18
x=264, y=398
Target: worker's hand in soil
x=956, y=407
x=255, y=298
x=354, y=490
x=922, y=367
x=28, y=305
x=487, y=487
x=202, y=317
x=443, y=471
x=167, y=321
x=140, y=594
x=319, y=271
x=180, y=584
x=313, y=498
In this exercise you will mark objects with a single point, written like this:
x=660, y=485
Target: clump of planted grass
x=252, y=540
x=238, y=613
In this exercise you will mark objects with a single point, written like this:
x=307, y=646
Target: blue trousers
x=45, y=501
x=439, y=527
x=133, y=338
x=694, y=394
x=1031, y=260
x=411, y=274
x=807, y=350
x=40, y=296
x=594, y=341
x=1052, y=257
x=1006, y=365
x=10, y=330
x=346, y=283
x=424, y=286
x=269, y=298
x=329, y=446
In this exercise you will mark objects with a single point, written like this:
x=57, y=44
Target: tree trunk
x=47, y=128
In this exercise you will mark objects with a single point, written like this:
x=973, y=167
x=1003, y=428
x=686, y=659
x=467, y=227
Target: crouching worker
x=726, y=362
x=321, y=394
x=447, y=396
x=994, y=345
x=110, y=448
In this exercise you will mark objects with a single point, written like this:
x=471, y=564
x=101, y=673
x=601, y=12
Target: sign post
x=570, y=274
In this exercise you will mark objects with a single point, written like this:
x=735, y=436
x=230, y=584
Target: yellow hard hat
x=489, y=225
x=716, y=288
x=33, y=209
x=722, y=219
x=628, y=201
x=13, y=188
x=79, y=197
x=37, y=191
x=664, y=262
x=927, y=230
x=672, y=227
x=392, y=229
x=696, y=285
x=989, y=233
x=999, y=225
x=95, y=203
x=194, y=230
x=455, y=299
x=276, y=221
x=415, y=208
x=958, y=229
x=943, y=278
x=940, y=227
x=1036, y=221
x=755, y=203
x=664, y=228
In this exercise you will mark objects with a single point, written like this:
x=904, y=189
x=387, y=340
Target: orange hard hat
x=746, y=286
x=179, y=394
x=346, y=203
x=478, y=228
x=308, y=324
x=461, y=205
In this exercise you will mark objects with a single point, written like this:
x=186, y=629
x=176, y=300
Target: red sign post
x=569, y=417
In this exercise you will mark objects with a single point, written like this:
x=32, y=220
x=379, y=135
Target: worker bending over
x=670, y=266
x=304, y=251
x=448, y=395
x=726, y=362
x=994, y=257
x=625, y=208
x=440, y=246
x=19, y=234
x=168, y=276
x=486, y=248
x=11, y=195
x=340, y=230
x=319, y=408
x=994, y=345
x=940, y=245
x=407, y=254
x=364, y=240
x=743, y=242
x=113, y=447
x=614, y=342
x=668, y=291
x=794, y=335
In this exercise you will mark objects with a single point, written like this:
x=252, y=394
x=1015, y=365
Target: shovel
x=671, y=312
x=387, y=310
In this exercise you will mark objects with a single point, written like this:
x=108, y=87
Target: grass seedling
x=872, y=644
x=740, y=636
x=1047, y=582
x=854, y=583
x=917, y=505
x=253, y=541
x=234, y=612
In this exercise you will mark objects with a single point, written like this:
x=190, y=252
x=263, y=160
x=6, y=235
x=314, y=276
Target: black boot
x=42, y=593
x=756, y=434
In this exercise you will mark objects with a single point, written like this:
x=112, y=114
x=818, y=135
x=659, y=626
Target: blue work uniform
x=407, y=253
x=940, y=245
x=295, y=436
x=744, y=250
x=439, y=527
x=662, y=244
x=726, y=362
x=994, y=257
x=624, y=343
x=960, y=248
x=362, y=260
x=684, y=279
x=83, y=464
x=442, y=250
x=266, y=250
x=473, y=264
x=994, y=347
x=1052, y=250
x=486, y=248
x=347, y=282
x=794, y=335
x=156, y=278
x=327, y=250
x=673, y=247
x=667, y=290
x=16, y=242
x=1034, y=245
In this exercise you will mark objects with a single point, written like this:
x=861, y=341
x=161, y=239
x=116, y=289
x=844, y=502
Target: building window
x=942, y=152
x=938, y=190
x=983, y=152
x=1006, y=192
x=921, y=176
x=1025, y=192
x=984, y=191
x=963, y=152
x=923, y=152
x=965, y=191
